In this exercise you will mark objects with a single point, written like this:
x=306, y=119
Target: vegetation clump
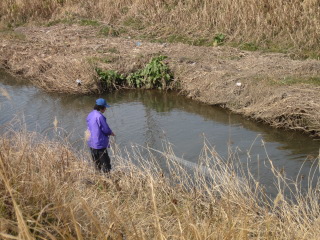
x=219, y=39
x=110, y=79
x=155, y=75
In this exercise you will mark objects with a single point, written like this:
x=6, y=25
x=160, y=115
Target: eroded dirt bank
x=250, y=83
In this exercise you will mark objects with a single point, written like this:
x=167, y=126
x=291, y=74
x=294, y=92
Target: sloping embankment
x=257, y=85
x=49, y=191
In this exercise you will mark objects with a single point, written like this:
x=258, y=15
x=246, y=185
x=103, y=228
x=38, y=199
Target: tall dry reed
x=49, y=191
x=274, y=24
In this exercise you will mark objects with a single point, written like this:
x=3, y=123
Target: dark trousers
x=101, y=159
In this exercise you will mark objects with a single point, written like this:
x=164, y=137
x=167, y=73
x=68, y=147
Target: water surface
x=152, y=117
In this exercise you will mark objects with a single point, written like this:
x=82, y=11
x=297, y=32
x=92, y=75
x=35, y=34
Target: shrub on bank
x=49, y=191
x=155, y=75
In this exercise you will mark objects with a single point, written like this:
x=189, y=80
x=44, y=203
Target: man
x=99, y=136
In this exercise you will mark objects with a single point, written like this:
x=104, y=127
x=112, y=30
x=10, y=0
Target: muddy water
x=150, y=117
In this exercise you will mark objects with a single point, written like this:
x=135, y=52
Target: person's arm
x=104, y=126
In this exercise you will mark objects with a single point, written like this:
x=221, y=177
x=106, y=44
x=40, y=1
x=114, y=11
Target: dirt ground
x=248, y=83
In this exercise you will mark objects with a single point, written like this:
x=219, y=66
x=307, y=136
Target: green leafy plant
x=155, y=75
x=110, y=79
x=218, y=39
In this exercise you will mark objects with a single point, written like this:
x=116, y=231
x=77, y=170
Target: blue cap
x=102, y=102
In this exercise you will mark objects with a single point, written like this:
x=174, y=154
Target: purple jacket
x=99, y=130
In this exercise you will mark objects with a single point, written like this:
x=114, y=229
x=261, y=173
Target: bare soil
x=248, y=83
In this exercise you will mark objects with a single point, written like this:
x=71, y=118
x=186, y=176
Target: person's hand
x=112, y=134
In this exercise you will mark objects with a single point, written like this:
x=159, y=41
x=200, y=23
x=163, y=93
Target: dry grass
x=69, y=75
x=270, y=23
x=50, y=192
x=293, y=107
x=275, y=89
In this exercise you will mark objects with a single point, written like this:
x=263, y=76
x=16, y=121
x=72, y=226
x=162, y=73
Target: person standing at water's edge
x=99, y=136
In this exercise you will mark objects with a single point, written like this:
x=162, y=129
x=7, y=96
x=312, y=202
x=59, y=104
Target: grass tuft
x=88, y=22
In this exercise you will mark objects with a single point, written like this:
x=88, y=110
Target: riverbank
x=267, y=87
x=50, y=191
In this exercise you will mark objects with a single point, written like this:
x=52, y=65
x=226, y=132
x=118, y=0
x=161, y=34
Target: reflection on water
x=149, y=117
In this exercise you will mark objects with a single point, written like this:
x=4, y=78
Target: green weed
x=296, y=80
x=218, y=39
x=155, y=75
x=110, y=79
x=88, y=22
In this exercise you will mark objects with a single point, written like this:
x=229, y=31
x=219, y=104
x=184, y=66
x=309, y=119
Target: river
x=154, y=117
